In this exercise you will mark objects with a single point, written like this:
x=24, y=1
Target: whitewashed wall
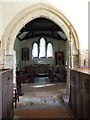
x=76, y=11
x=58, y=45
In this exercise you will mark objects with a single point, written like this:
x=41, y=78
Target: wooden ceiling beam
x=40, y=29
x=42, y=35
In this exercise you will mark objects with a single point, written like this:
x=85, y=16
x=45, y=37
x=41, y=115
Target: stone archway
x=32, y=12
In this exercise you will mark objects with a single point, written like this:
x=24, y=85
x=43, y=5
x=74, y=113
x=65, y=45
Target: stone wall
x=75, y=61
x=84, y=58
x=1, y=65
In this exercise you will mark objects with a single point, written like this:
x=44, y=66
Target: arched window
x=42, y=48
x=49, y=50
x=35, y=50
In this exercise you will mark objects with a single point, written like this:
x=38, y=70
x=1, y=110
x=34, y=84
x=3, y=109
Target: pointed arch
x=49, y=50
x=42, y=47
x=30, y=13
x=35, y=50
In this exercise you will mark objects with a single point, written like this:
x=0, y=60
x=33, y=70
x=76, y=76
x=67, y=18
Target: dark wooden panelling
x=7, y=93
x=80, y=93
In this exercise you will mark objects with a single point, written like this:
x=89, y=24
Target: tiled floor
x=41, y=95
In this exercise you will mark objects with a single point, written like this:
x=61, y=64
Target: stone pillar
x=69, y=56
x=68, y=75
x=68, y=68
x=2, y=52
x=8, y=61
x=75, y=61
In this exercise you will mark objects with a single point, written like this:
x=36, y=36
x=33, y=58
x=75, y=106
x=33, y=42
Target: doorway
x=34, y=12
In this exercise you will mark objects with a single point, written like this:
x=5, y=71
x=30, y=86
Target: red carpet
x=40, y=108
x=43, y=113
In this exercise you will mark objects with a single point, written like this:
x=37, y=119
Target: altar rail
x=6, y=93
x=80, y=92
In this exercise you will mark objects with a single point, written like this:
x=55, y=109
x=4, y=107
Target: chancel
x=44, y=63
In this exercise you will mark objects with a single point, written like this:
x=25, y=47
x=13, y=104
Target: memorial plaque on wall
x=59, y=57
x=25, y=54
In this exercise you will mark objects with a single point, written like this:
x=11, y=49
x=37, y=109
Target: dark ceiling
x=41, y=27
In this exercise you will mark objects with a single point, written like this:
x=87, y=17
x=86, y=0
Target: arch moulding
x=30, y=13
